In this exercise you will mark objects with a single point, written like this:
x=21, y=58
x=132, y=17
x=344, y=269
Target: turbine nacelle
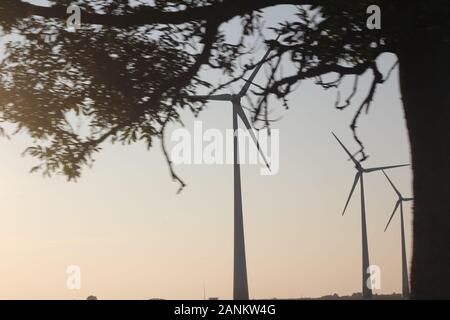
x=235, y=99
x=400, y=200
x=361, y=170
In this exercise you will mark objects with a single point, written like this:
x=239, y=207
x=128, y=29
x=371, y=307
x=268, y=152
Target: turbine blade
x=392, y=215
x=244, y=119
x=254, y=73
x=408, y=199
x=385, y=168
x=355, y=182
x=346, y=150
x=392, y=184
x=218, y=97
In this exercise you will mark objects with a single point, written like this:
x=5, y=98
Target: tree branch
x=317, y=71
x=143, y=15
x=173, y=174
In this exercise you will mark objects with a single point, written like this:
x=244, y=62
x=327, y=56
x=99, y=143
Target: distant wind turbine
x=401, y=199
x=366, y=290
x=240, y=284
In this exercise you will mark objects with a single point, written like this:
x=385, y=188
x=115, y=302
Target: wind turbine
x=359, y=177
x=240, y=284
x=401, y=199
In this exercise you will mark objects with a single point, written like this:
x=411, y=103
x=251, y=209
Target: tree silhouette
x=129, y=70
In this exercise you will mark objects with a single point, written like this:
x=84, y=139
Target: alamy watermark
x=374, y=20
x=73, y=281
x=374, y=278
x=212, y=146
x=74, y=20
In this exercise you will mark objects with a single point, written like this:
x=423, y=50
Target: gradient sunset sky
x=135, y=238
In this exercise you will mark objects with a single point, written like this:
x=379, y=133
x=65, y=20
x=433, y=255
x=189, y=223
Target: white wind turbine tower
x=366, y=289
x=240, y=284
x=401, y=199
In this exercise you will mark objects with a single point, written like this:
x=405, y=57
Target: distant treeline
x=357, y=296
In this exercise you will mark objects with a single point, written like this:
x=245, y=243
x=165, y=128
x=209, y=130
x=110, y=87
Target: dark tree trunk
x=425, y=88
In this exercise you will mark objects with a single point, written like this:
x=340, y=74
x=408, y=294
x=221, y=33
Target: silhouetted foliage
x=126, y=77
